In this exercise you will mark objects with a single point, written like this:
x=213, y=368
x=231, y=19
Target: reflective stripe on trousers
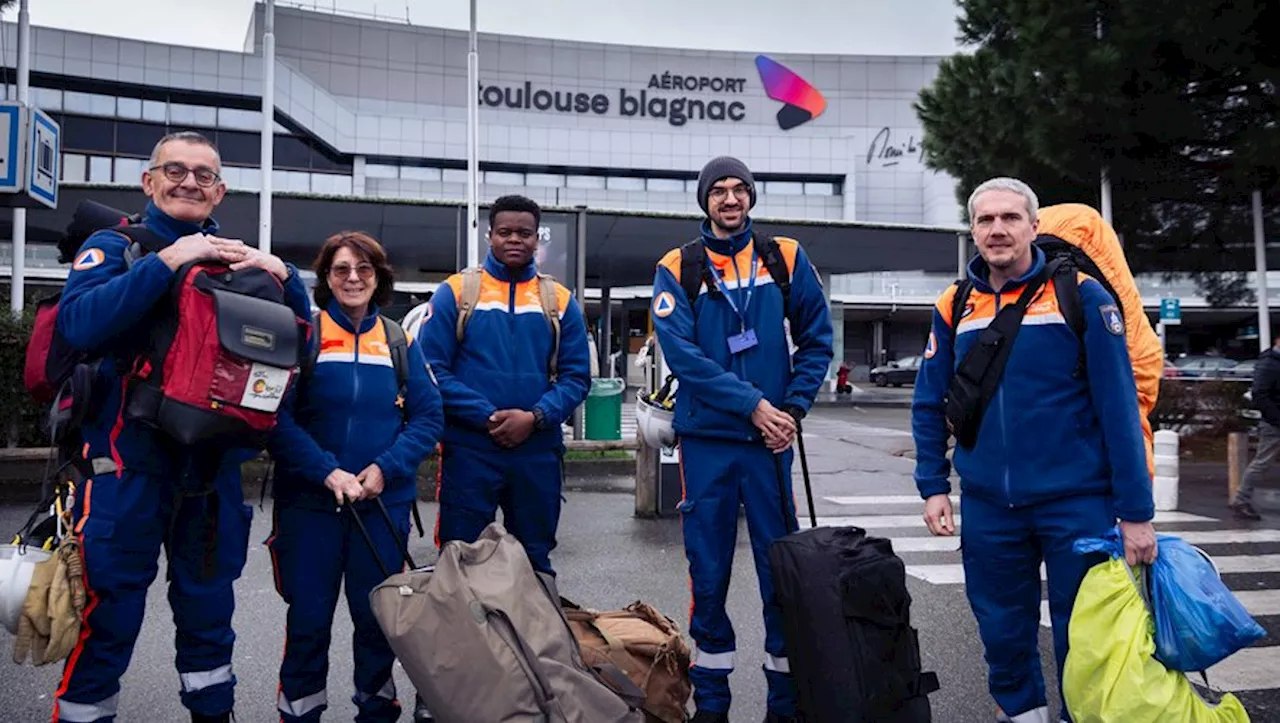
x=712, y=661
x=387, y=692
x=777, y=665
x=201, y=679
x=302, y=706
x=87, y=712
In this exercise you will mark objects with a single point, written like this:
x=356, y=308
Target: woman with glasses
x=363, y=414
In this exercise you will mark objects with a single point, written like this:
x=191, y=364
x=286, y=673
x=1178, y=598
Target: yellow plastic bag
x=1111, y=674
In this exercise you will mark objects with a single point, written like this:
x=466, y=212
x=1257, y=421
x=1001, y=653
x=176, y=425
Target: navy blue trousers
x=719, y=477
x=474, y=484
x=1002, y=550
x=314, y=552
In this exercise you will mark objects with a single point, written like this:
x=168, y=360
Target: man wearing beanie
x=719, y=311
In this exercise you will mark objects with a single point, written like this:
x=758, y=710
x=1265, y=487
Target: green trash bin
x=603, y=412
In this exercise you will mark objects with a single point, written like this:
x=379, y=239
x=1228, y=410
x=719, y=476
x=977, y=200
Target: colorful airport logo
x=803, y=101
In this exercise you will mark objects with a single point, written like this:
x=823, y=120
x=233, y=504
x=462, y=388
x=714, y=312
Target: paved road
x=607, y=559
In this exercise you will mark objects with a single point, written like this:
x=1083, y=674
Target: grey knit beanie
x=724, y=167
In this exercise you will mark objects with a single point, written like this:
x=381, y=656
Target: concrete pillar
x=580, y=291
x=1165, y=485
x=358, y=174
x=877, y=342
x=850, y=196
x=606, y=332
x=836, y=310
x=837, y=339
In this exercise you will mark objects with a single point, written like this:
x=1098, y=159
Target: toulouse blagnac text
x=676, y=111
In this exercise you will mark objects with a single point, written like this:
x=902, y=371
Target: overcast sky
x=853, y=27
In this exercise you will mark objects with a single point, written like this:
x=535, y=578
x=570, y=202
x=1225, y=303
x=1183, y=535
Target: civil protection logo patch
x=664, y=305
x=88, y=259
x=1112, y=319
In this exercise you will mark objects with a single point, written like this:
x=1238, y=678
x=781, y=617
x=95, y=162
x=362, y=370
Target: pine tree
x=1177, y=98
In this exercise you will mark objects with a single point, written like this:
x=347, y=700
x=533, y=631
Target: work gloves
x=50, y=624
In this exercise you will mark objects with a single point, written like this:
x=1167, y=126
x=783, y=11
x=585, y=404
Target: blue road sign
x=1171, y=312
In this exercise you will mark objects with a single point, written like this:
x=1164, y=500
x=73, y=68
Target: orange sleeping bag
x=1084, y=228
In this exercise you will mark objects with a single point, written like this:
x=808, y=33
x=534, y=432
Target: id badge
x=739, y=343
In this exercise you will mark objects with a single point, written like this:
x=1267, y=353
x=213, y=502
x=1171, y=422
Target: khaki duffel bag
x=644, y=644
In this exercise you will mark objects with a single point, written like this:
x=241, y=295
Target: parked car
x=1203, y=367
x=897, y=373
x=1243, y=370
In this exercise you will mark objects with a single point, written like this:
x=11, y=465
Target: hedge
x=20, y=418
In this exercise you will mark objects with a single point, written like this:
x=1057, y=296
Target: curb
x=879, y=403
x=20, y=480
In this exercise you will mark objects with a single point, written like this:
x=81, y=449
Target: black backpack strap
x=142, y=241
x=309, y=364
x=1066, y=287
x=964, y=287
x=767, y=247
x=976, y=379
x=398, y=343
x=693, y=269
x=399, y=346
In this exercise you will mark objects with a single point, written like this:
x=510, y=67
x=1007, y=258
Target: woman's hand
x=343, y=484
x=371, y=481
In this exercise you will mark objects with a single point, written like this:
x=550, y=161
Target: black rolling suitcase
x=846, y=617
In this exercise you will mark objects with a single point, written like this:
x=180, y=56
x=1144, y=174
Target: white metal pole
x=268, y=125
x=473, y=132
x=1106, y=196
x=1260, y=257
x=18, y=277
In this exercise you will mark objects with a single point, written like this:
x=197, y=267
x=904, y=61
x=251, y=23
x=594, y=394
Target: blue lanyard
x=751, y=287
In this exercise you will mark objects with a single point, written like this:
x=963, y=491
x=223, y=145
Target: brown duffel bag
x=644, y=644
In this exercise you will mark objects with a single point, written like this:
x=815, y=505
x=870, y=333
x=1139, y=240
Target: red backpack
x=221, y=357
x=223, y=350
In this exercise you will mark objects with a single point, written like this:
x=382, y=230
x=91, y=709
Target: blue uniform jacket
x=348, y=415
x=502, y=362
x=1046, y=434
x=107, y=310
x=718, y=389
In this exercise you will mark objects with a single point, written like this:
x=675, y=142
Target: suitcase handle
x=782, y=484
x=386, y=516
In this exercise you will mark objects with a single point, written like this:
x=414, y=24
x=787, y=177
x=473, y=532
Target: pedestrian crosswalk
x=1248, y=558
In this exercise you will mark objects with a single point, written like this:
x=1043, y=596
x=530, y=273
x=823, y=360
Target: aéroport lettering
x=676, y=111
x=700, y=83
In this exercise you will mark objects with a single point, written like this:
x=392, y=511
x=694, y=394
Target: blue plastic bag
x=1198, y=621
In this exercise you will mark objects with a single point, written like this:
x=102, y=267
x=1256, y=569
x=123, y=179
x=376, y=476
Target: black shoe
x=224, y=718
x=420, y=712
x=704, y=716
x=1245, y=511
x=772, y=717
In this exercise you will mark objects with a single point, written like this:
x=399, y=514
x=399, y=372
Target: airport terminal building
x=371, y=133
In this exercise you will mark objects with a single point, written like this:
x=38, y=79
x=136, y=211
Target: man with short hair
x=1058, y=455
x=1265, y=393
x=518, y=372
x=506, y=387
x=742, y=394
x=151, y=490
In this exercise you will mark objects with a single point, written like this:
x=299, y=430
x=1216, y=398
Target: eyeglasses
x=177, y=173
x=342, y=271
x=719, y=193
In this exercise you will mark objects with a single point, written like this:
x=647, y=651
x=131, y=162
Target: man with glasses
x=143, y=494
x=720, y=316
